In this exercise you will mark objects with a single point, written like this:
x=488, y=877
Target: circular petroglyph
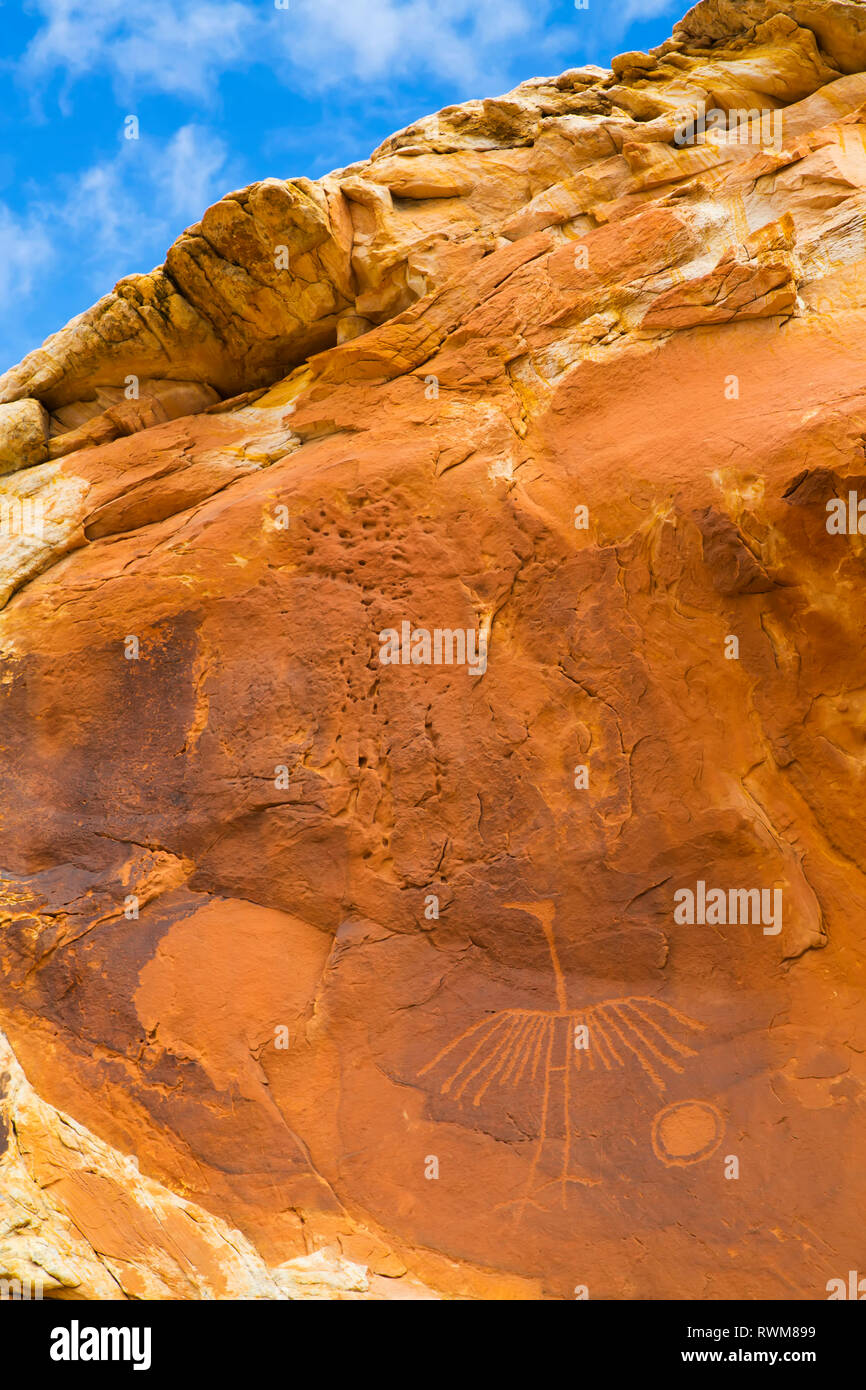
x=687, y=1132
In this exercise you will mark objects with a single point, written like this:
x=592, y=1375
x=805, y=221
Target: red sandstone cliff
x=324, y=976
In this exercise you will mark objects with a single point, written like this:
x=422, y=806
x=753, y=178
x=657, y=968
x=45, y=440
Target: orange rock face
x=431, y=781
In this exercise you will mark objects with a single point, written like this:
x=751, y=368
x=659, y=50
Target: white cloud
x=25, y=255
x=191, y=172
x=181, y=49
x=159, y=45
x=329, y=42
x=121, y=215
x=636, y=10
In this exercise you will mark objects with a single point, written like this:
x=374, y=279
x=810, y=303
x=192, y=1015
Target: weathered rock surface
x=351, y=956
x=23, y=435
x=79, y=1220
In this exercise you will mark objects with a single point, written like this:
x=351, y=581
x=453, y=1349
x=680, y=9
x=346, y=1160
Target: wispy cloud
x=26, y=258
x=25, y=252
x=633, y=11
x=191, y=171
x=328, y=41
x=181, y=49
x=164, y=46
x=115, y=211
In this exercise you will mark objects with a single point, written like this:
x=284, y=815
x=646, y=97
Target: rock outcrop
x=431, y=716
x=77, y=1218
x=23, y=435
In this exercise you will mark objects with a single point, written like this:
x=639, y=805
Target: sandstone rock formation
x=77, y=1217
x=384, y=965
x=23, y=435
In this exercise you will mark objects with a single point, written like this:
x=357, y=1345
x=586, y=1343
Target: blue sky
x=226, y=92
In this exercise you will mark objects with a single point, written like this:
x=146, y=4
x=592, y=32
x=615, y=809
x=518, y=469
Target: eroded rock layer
x=388, y=964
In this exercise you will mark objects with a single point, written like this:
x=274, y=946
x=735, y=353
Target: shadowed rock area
x=468, y=978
